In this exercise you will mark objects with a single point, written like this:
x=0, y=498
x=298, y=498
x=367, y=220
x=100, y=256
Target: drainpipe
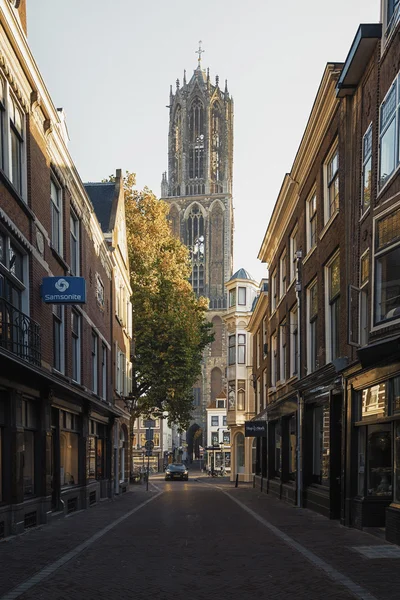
x=299, y=450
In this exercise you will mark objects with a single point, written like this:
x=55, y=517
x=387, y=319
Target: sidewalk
x=367, y=560
x=23, y=555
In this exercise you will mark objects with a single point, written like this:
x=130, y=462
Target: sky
x=110, y=66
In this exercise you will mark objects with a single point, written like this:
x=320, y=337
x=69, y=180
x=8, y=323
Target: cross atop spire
x=199, y=52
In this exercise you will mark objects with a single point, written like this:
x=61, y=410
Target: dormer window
x=220, y=403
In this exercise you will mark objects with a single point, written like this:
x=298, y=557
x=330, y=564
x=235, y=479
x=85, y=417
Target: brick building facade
x=332, y=248
x=58, y=419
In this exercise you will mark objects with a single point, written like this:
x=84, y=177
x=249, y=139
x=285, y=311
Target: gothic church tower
x=198, y=189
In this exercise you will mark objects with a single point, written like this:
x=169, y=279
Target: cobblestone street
x=201, y=539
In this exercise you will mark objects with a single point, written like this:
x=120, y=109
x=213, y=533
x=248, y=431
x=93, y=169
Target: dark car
x=176, y=471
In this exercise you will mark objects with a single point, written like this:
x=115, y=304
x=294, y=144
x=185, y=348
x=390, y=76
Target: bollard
x=254, y=481
x=237, y=480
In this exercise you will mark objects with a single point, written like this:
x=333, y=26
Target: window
x=232, y=298
x=226, y=437
x=100, y=295
x=311, y=215
x=292, y=448
x=104, y=371
x=17, y=142
x=331, y=172
x=387, y=265
x=265, y=389
x=74, y=244
x=29, y=423
x=58, y=337
x=241, y=395
x=196, y=396
x=76, y=345
x=241, y=348
x=392, y=15
x=258, y=348
x=312, y=343
x=366, y=170
x=214, y=438
x=242, y=296
x=294, y=342
x=274, y=291
x=358, y=308
x=277, y=448
x=293, y=257
x=333, y=324
x=121, y=373
x=274, y=360
x=232, y=349
x=95, y=358
x=96, y=451
x=69, y=448
x=282, y=351
x=321, y=437
x=282, y=273
x=214, y=421
x=220, y=403
x=56, y=217
x=224, y=421
x=265, y=337
x=388, y=138
x=375, y=457
x=2, y=124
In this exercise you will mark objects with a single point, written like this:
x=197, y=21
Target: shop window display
x=379, y=460
x=321, y=447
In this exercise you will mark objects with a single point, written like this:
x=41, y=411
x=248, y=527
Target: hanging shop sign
x=255, y=428
x=63, y=290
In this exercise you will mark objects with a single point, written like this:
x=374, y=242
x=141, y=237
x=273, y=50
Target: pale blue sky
x=110, y=65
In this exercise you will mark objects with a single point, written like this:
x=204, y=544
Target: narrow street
x=201, y=539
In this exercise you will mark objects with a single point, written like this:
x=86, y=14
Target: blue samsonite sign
x=64, y=290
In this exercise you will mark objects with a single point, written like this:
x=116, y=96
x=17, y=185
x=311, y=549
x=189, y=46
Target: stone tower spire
x=198, y=189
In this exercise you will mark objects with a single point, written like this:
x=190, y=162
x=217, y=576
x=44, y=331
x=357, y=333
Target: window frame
x=312, y=330
x=366, y=158
x=282, y=275
x=104, y=357
x=95, y=362
x=243, y=289
x=274, y=359
x=213, y=419
x=232, y=349
x=383, y=130
x=241, y=348
x=294, y=340
x=74, y=243
x=76, y=346
x=59, y=351
x=56, y=212
x=330, y=179
x=282, y=350
x=14, y=133
x=274, y=291
x=311, y=218
x=293, y=256
x=332, y=308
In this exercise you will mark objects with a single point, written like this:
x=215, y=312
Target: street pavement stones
x=194, y=541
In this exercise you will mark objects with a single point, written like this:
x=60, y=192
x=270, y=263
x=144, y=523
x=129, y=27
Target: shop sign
x=63, y=290
x=255, y=428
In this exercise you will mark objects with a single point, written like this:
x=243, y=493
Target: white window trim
x=328, y=333
x=333, y=149
x=372, y=273
x=395, y=84
x=282, y=275
x=74, y=217
x=9, y=97
x=59, y=209
x=292, y=253
x=308, y=222
x=364, y=161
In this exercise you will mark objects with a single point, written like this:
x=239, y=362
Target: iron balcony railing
x=19, y=333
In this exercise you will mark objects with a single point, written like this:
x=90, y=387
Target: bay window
x=241, y=348
x=241, y=394
x=388, y=134
x=232, y=298
x=242, y=296
x=231, y=349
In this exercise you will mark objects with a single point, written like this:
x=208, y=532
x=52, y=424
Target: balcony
x=19, y=334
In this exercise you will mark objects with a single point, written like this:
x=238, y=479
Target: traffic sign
x=149, y=445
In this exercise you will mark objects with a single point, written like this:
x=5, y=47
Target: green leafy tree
x=170, y=329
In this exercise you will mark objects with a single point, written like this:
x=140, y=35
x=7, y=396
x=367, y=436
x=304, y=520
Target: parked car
x=176, y=471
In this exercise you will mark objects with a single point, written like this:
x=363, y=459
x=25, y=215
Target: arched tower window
x=216, y=149
x=174, y=221
x=216, y=345
x=196, y=242
x=217, y=288
x=216, y=383
x=196, y=141
x=177, y=152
